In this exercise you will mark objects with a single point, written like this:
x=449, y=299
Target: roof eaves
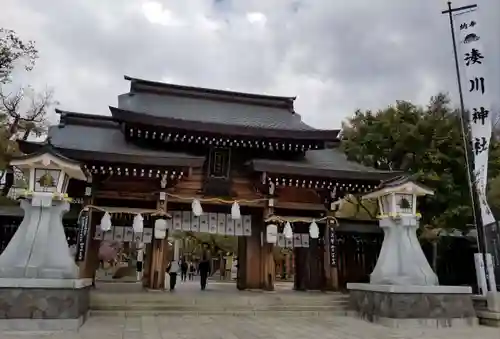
x=44, y=148
x=85, y=119
x=236, y=130
x=304, y=171
x=81, y=155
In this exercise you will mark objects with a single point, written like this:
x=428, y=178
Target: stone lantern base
x=40, y=287
x=43, y=304
x=403, y=289
x=408, y=306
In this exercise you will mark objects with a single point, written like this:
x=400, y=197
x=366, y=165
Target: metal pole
x=481, y=236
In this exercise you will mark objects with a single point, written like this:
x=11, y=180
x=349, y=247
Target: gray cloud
x=336, y=56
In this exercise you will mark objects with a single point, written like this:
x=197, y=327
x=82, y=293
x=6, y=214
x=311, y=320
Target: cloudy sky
x=334, y=55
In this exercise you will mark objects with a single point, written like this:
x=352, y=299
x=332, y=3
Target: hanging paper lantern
x=271, y=233
x=106, y=222
x=287, y=230
x=314, y=230
x=138, y=223
x=235, y=211
x=160, y=231
x=196, y=207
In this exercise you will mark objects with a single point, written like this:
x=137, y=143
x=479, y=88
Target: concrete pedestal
x=43, y=304
x=39, y=285
x=402, y=306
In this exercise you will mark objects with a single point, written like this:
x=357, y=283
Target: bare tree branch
x=13, y=50
x=356, y=201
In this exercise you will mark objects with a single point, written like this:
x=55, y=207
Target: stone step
x=480, y=303
x=222, y=301
x=274, y=313
x=488, y=318
x=221, y=307
x=207, y=298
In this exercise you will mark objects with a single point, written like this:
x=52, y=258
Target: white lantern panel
x=65, y=183
x=404, y=203
x=386, y=204
x=46, y=180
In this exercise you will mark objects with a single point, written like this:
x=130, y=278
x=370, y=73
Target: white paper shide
x=477, y=102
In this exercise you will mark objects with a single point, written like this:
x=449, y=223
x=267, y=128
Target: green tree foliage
x=494, y=174
x=193, y=242
x=353, y=208
x=423, y=141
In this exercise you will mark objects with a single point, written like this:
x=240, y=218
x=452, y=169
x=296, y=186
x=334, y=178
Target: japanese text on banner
x=475, y=84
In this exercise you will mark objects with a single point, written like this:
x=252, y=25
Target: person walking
x=192, y=270
x=172, y=270
x=204, y=268
x=184, y=270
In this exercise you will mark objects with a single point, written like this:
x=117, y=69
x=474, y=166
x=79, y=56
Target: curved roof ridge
x=138, y=84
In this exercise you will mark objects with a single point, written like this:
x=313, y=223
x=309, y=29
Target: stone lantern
x=38, y=275
x=401, y=260
x=39, y=248
x=403, y=288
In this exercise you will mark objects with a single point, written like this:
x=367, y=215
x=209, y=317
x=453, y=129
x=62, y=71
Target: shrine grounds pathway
x=257, y=327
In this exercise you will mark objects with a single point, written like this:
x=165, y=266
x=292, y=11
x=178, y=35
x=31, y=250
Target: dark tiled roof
x=86, y=137
x=327, y=163
x=147, y=86
x=44, y=148
x=212, y=111
x=205, y=124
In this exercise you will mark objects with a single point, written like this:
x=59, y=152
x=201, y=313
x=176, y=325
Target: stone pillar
x=401, y=260
x=38, y=275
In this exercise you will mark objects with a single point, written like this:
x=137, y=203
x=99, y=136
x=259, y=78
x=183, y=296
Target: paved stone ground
x=217, y=327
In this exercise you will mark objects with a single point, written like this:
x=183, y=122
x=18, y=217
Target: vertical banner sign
x=81, y=239
x=332, y=242
x=477, y=99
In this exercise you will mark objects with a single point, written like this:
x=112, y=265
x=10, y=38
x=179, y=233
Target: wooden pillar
x=249, y=257
x=331, y=264
x=158, y=253
x=267, y=250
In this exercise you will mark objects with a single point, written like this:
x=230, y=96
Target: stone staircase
x=238, y=303
x=485, y=316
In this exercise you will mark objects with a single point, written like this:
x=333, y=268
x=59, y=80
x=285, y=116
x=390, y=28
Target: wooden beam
x=116, y=195
x=188, y=201
x=298, y=206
